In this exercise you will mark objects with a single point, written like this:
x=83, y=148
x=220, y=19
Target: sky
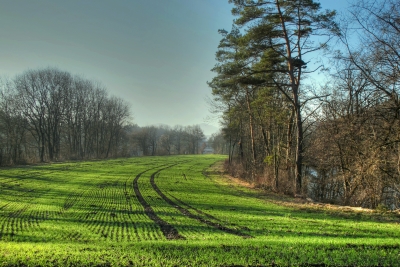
x=155, y=54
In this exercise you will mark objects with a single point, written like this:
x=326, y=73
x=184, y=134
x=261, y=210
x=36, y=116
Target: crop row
x=167, y=229
x=99, y=201
x=21, y=211
x=200, y=216
x=112, y=212
x=106, y=211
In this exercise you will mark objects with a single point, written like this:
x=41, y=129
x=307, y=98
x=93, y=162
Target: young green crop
x=171, y=211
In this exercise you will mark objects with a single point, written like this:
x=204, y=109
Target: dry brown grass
x=302, y=203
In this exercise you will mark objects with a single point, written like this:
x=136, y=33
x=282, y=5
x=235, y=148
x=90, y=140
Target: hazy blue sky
x=156, y=54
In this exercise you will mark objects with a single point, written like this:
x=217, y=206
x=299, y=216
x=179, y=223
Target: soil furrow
x=195, y=209
x=167, y=229
x=191, y=215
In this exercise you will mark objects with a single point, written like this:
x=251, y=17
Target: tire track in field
x=167, y=229
x=195, y=209
x=187, y=213
x=130, y=210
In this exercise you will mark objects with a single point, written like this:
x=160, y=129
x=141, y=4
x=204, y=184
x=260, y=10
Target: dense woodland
x=50, y=115
x=310, y=101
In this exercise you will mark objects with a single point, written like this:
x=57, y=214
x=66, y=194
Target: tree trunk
x=299, y=150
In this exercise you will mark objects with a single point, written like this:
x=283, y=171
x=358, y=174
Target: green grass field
x=173, y=211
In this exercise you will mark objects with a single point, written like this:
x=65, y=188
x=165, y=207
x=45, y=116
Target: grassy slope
x=88, y=214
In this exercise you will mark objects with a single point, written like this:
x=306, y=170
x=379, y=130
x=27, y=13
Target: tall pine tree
x=269, y=48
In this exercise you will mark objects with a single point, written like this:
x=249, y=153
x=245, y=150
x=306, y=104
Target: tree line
x=335, y=142
x=164, y=140
x=51, y=115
